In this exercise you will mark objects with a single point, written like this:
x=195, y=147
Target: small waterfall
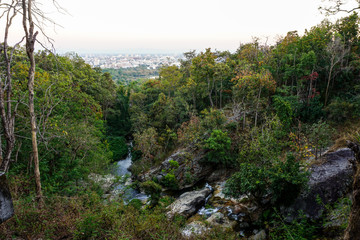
x=205, y=210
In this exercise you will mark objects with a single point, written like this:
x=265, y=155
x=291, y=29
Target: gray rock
x=191, y=170
x=106, y=182
x=219, y=219
x=188, y=203
x=194, y=228
x=259, y=236
x=328, y=182
x=6, y=205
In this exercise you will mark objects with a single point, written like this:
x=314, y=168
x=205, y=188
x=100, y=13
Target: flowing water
x=122, y=170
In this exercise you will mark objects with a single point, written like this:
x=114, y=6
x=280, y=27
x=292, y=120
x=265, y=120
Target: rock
x=241, y=209
x=259, y=236
x=106, y=182
x=219, y=196
x=328, y=182
x=218, y=175
x=194, y=228
x=219, y=219
x=6, y=205
x=191, y=170
x=188, y=203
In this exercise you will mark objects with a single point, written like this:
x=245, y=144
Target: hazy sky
x=176, y=26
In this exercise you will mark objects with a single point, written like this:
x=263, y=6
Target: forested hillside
x=263, y=115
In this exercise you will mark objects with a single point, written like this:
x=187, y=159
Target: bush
x=153, y=189
x=340, y=110
x=170, y=181
x=283, y=181
x=219, y=144
x=301, y=229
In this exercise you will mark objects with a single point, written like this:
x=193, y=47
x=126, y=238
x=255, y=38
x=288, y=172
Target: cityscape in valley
x=118, y=61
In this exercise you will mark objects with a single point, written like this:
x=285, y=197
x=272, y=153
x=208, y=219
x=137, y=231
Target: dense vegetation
x=260, y=112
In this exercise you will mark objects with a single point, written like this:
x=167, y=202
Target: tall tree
x=30, y=37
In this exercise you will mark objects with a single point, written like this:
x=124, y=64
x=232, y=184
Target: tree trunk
x=30, y=45
x=7, y=113
x=221, y=89
x=210, y=92
x=328, y=82
x=352, y=232
x=257, y=107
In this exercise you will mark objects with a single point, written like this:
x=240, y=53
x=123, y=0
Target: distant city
x=150, y=61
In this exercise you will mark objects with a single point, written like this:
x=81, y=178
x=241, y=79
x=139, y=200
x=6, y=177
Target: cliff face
x=6, y=205
x=328, y=182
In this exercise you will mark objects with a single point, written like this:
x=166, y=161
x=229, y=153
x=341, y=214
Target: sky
x=173, y=26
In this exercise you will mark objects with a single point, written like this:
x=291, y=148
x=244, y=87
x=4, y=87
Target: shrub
x=170, y=181
x=153, y=189
x=219, y=144
x=283, y=180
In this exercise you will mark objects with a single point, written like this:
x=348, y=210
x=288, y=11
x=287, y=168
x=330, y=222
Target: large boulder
x=189, y=203
x=6, y=205
x=329, y=180
x=191, y=168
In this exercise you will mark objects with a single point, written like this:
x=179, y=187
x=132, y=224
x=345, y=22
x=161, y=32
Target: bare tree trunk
x=257, y=107
x=7, y=113
x=30, y=45
x=210, y=92
x=352, y=231
x=328, y=82
x=221, y=90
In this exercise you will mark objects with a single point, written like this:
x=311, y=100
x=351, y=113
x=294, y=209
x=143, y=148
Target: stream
x=121, y=169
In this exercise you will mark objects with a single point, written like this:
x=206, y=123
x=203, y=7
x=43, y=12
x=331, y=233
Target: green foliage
x=153, y=189
x=212, y=119
x=283, y=181
x=286, y=179
x=285, y=108
x=300, y=229
x=319, y=135
x=173, y=164
x=337, y=217
x=311, y=111
x=219, y=145
x=250, y=179
x=262, y=146
x=66, y=88
x=169, y=180
x=118, y=147
x=340, y=110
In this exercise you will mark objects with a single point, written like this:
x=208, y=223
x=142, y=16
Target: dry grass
x=350, y=130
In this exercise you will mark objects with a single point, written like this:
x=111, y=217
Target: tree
x=30, y=37
x=339, y=6
x=337, y=51
x=7, y=111
x=253, y=85
x=203, y=70
x=170, y=77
